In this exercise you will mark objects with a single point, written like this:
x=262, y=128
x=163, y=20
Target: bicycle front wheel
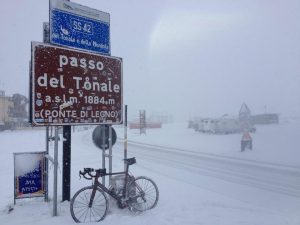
x=84, y=210
x=143, y=194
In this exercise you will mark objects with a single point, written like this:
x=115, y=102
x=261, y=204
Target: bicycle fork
x=93, y=196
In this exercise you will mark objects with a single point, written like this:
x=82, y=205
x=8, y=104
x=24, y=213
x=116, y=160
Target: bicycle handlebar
x=88, y=171
x=85, y=172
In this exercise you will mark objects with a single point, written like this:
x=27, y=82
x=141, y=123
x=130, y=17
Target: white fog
x=184, y=58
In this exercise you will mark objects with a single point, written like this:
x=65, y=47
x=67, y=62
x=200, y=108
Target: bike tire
x=143, y=194
x=79, y=207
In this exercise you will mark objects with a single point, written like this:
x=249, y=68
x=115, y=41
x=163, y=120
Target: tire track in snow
x=268, y=176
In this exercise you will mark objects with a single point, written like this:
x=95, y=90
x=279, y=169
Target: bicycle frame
x=105, y=189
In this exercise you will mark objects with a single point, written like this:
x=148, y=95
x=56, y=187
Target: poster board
x=29, y=175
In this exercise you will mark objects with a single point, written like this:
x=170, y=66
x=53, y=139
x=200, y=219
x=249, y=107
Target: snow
x=26, y=163
x=192, y=191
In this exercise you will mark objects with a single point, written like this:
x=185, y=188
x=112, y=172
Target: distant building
x=5, y=105
x=267, y=118
x=160, y=117
x=13, y=111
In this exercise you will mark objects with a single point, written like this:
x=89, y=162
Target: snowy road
x=261, y=183
x=263, y=175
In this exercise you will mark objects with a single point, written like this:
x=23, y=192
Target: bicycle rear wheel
x=82, y=211
x=143, y=194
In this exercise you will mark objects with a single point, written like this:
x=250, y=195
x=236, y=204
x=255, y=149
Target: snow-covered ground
x=202, y=178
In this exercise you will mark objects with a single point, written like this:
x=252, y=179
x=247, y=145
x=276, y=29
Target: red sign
x=72, y=87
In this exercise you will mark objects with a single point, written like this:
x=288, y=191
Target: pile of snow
x=26, y=163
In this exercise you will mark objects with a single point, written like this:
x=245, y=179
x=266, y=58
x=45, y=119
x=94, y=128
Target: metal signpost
x=125, y=136
x=73, y=84
x=55, y=172
x=78, y=26
x=110, y=153
x=46, y=38
x=66, y=160
x=47, y=164
x=104, y=137
x=143, y=124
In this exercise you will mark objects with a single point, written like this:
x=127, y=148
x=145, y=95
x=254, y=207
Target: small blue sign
x=78, y=31
x=30, y=176
x=31, y=182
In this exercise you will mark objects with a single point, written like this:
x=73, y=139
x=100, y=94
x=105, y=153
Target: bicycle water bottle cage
x=130, y=161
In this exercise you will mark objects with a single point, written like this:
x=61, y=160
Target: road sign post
x=55, y=172
x=66, y=177
x=110, y=153
x=75, y=87
x=125, y=136
x=76, y=26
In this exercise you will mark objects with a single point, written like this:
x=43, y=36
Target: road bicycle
x=90, y=204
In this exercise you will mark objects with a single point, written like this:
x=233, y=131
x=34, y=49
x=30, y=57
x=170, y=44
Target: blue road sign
x=78, y=26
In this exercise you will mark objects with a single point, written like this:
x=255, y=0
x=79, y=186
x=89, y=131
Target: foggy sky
x=187, y=58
